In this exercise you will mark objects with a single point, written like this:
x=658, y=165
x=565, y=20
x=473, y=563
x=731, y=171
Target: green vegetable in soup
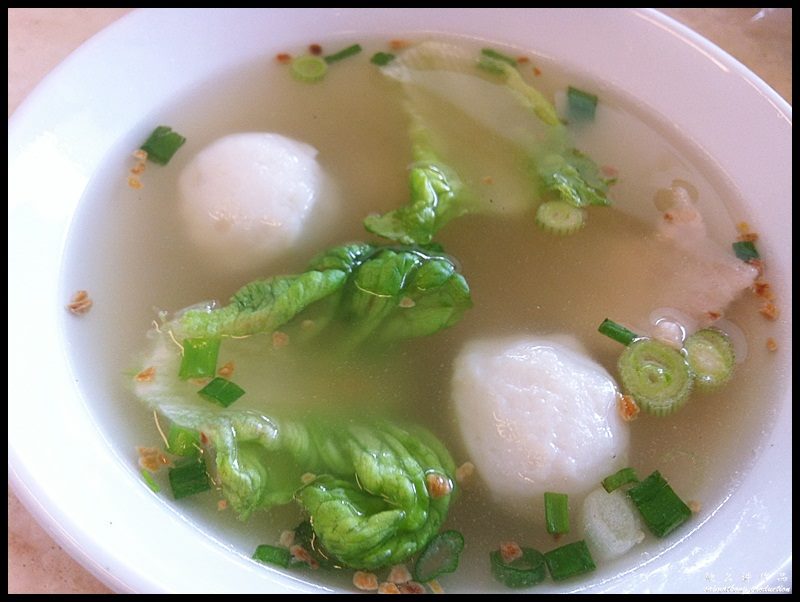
x=437, y=193
x=383, y=294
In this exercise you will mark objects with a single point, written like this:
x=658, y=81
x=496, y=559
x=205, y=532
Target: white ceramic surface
x=59, y=461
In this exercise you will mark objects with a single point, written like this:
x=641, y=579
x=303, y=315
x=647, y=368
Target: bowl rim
x=36, y=128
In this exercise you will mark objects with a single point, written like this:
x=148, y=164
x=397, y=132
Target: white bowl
x=61, y=463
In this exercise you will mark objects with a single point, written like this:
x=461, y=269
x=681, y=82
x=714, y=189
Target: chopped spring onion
x=569, y=560
x=498, y=56
x=556, y=512
x=222, y=391
x=620, y=478
x=745, y=250
x=656, y=375
x=491, y=65
x=582, y=105
x=711, y=358
x=525, y=571
x=199, y=358
x=188, y=478
x=272, y=555
x=308, y=68
x=183, y=441
x=381, y=58
x=162, y=144
x=617, y=332
x=343, y=54
x=151, y=482
x=560, y=217
x=661, y=508
x=439, y=556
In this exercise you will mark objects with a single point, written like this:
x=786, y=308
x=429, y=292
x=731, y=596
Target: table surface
x=39, y=39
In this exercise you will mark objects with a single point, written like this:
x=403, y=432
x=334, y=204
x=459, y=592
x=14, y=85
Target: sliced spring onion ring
x=199, y=358
x=162, y=144
x=711, y=358
x=582, y=105
x=617, y=332
x=656, y=375
x=560, y=217
x=745, y=250
x=273, y=555
x=525, y=571
x=183, y=441
x=439, y=556
x=222, y=391
x=556, y=512
x=188, y=478
x=619, y=478
x=569, y=560
x=661, y=508
x=309, y=68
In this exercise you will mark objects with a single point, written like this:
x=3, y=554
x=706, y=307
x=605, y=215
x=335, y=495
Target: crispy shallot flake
x=438, y=485
x=80, y=303
x=769, y=310
x=399, y=574
x=609, y=171
x=279, y=339
x=315, y=49
x=151, y=458
x=147, y=375
x=749, y=237
x=694, y=506
x=537, y=72
x=138, y=168
x=287, y=539
x=203, y=438
x=300, y=554
x=435, y=586
x=365, y=581
x=668, y=217
x=226, y=370
x=222, y=505
x=283, y=58
x=399, y=44
x=200, y=381
x=510, y=551
x=133, y=182
x=308, y=477
x=713, y=315
x=763, y=289
x=388, y=588
x=412, y=587
x=464, y=473
x=772, y=344
x=407, y=302
x=487, y=180
x=522, y=60
x=627, y=408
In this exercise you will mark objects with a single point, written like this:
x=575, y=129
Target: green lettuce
x=437, y=192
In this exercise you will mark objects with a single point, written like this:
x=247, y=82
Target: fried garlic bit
x=365, y=581
x=627, y=408
x=147, y=375
x=300, y=554
x=769, y=310
x=388, y=588
x=80, y=303
x=151, y=458
x=399, y=574
x=412, y=587
x=279, y=339
x=510, y=551
x=438, y=485
x=287, y=539
x=465, y=473
x=226, y=371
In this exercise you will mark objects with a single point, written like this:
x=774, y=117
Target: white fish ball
x=246, y=198
x=537, y=415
